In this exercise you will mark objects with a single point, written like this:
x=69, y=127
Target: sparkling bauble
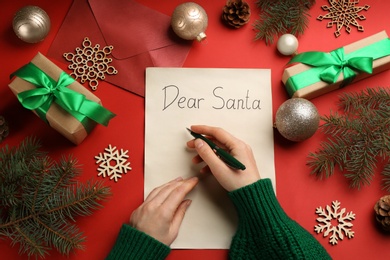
x=287, y=44
x=297, y=119
x=189, y=21
x=31, y=24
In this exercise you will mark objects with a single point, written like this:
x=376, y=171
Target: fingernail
x=179, y=179
x=194, y=178
x=198, y=143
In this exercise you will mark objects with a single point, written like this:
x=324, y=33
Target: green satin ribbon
x=327, y=67
x=48, y=91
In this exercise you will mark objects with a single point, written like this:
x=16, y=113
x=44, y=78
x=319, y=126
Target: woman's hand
x=162, y=213
x=230, y=179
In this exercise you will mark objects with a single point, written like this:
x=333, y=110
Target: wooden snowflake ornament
x=113, y=163
x=343, y=13
x=329, y=217
x=90, y=63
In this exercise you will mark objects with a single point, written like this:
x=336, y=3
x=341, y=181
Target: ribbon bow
x=327, y=67
x=48, y=91
x=334, y=63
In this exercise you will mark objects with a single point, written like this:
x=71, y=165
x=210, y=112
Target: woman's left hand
x=162, y=213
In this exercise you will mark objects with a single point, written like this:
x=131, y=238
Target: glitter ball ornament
x=31, y=24
x=189, y=21
x=287, y=44
x=297, y=119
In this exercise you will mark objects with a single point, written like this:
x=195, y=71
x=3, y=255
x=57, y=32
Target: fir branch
x=29, y=242
x=371, y=99
x=359, y=136
x=386, y=176
x=337, y=124
x=64, y=237
x=280, y=17
x=13, y=169
x=360, y=166
x=44, y=200
x=331, y=154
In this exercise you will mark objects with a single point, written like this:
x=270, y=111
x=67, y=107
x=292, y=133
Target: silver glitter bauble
x=31, y=24
x=297, y=119
x=189, y=21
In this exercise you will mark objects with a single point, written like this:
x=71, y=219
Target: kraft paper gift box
x=317, y=73
x=72, y=123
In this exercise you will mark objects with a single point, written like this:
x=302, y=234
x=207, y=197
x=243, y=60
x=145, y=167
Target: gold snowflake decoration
x=343, y=13
x=334, y=221
x=90, y=63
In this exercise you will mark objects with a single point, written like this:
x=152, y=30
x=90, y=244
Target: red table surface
x=298, y=192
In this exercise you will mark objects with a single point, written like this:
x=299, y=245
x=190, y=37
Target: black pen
x=225, y=156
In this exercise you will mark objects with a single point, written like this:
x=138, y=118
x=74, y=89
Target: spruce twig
x=40, y=199
x=359, y=139
x=278, y=17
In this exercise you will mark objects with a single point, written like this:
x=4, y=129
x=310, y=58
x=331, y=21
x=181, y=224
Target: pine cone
x=3, y=129
x=382, y=211
x=236, y=13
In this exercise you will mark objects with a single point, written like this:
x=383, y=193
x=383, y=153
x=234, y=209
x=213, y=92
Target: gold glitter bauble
x=189, y=21
x=297, y=119
x=31, y=24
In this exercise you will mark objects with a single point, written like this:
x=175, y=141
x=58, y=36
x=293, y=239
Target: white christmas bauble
x=189, y=21
x=287, y=44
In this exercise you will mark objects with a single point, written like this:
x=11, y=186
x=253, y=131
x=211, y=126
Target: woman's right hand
x=231, y=179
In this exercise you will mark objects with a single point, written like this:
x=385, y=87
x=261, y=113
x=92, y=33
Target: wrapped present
x=58, y=99
x=315, y=73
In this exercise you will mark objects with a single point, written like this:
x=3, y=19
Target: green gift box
x=316, y=73
x=58, y=99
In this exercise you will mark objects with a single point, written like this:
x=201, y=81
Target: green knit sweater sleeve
x=265, y=231
x=133, y=244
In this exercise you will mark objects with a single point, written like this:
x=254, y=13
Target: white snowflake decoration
x=325, y=222
x=113, y=163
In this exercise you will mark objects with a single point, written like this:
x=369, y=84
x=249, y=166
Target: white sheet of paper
x=238, y=100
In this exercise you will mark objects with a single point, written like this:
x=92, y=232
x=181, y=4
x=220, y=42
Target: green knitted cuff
x=257, y=204
x=134, y=244
x=265, y=231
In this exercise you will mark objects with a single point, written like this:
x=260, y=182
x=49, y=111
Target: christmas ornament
x=189, y=21
x=344, y=222
x=297, y=119
x=343, y=13
x=90, y=63
x=278, y=17
x=112, y=163
x=4, y=130
x=236, y=13
x=41, y=198
x=358, y=139
x=382, y=213
x=287, y=44
x=31, y=24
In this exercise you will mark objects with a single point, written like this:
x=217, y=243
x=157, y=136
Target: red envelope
x=141, y=38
